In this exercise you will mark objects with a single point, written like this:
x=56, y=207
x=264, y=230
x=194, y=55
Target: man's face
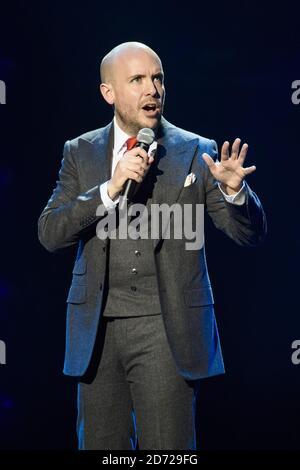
x=138, y=91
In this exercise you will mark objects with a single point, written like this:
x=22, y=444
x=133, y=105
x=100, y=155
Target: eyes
x=156, y=78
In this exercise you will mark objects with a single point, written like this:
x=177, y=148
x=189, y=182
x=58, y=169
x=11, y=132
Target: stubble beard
x=132, y=126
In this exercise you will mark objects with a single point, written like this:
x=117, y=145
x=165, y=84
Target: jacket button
x=104, y=248
x=137, y=253
x=134, y=271
x=100, y=287
x=133, y=288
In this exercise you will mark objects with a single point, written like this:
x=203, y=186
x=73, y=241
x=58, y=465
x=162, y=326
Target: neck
x=134, y=130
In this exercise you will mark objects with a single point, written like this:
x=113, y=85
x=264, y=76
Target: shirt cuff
x=108, y=203
x=238, y=198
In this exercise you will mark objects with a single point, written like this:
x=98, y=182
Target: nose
x=150, y=88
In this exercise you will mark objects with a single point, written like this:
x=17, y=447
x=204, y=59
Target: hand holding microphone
x=132, y=168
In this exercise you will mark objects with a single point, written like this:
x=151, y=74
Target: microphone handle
x=131, y=185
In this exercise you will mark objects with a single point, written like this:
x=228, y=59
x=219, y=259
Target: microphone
x=145, y=138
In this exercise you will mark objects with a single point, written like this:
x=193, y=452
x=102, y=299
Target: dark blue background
x=229, y=69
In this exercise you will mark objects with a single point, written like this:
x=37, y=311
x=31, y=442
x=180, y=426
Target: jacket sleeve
x=67, y=213
x=246, y=224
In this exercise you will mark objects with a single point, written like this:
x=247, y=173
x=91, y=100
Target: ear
x=107, y=93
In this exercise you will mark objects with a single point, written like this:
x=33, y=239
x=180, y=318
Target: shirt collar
x=120, y=137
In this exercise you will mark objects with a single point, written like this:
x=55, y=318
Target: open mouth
x=151, y=109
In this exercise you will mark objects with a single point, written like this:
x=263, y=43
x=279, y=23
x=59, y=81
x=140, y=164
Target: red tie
x=131, y=142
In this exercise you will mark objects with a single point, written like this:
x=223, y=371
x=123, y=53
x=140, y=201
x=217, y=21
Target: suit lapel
x=98, y=153
x=173, y=162
x=103, y=148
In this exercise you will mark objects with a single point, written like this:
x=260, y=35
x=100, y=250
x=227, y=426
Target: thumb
x=209, y=161
x=249, y=170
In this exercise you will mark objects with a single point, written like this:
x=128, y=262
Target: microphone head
x=146, y=136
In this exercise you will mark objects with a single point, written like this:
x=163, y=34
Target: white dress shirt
x=119, y=148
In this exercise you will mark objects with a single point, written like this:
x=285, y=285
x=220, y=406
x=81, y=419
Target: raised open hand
x=230, y=171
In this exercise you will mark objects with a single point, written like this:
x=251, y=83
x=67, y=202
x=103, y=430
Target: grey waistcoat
x=131, y=278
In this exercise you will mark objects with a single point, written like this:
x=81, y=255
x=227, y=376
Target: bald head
x=119, y=54
x=132, y=81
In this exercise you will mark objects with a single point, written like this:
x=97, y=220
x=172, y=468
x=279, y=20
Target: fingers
x=136, y=174
x=249, y=170
x=235, y=149
x=135, y=164
x=133, y=175
x=137, y=151
x=138, y=158
x=208, y=160
x=225, y=151
x=139, y=166
x=243, y=153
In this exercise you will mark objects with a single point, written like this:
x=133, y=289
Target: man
x=141, y=330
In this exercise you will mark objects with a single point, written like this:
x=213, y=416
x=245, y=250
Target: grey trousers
x=133, y=394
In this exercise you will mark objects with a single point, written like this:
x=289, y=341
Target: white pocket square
x=191, y=178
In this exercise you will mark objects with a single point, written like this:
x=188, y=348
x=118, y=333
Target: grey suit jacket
x=184, y=285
